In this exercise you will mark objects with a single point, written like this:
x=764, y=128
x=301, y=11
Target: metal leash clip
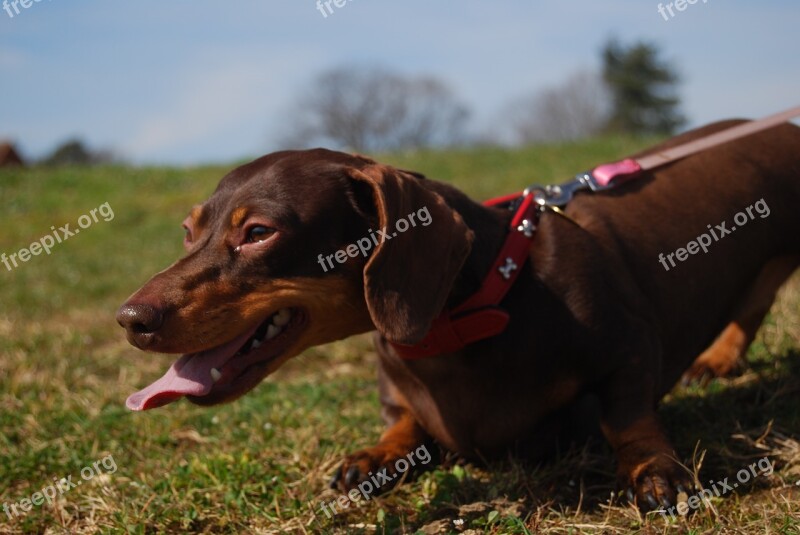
x=558, y=195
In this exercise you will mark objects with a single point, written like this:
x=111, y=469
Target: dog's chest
x=473, y=411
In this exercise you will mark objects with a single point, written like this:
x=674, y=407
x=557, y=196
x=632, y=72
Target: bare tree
x=578, y=108
x=373, y=110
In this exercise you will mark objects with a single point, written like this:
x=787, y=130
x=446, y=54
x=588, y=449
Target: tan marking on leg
x=727, y=352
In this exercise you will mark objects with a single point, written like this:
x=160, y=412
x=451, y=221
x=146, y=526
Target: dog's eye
x=187, y=237
x=259, y=233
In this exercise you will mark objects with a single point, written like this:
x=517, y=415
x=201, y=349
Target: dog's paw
x=703, y=370
x=375, y=470
x=656, y=484
x=722, y=359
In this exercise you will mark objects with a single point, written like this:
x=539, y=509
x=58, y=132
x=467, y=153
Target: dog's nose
x=141, y=321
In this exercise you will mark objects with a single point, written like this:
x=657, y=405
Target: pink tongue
x=190, y=375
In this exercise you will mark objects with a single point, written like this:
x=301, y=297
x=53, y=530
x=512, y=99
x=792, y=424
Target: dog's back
x=718, y=230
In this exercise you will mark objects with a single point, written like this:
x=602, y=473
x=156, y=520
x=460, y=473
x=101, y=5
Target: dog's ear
x=410, y=273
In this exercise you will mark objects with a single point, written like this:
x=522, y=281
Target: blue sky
x=182, y=82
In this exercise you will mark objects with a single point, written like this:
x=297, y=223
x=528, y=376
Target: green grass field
x=261, y=464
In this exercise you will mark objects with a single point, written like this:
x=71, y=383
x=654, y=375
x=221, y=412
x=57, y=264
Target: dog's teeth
x=256, y=344
x=282, y=317
x=215, y=374
x=273, y=331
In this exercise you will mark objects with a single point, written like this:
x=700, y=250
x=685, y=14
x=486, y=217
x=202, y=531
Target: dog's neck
x=490, y=227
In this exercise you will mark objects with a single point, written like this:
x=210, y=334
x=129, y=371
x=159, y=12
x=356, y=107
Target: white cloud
x=223, y=98
x=204, y=102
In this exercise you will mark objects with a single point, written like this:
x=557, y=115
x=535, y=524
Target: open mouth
x=226, y=371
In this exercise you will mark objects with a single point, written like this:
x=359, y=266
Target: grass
x=261, y=465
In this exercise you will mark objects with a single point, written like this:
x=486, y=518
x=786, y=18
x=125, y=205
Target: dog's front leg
x=647, y=463
x=403, y=448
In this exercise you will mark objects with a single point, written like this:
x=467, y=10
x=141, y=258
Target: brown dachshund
x=610, y=304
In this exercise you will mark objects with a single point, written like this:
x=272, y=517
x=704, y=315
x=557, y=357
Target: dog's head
x=294, y=250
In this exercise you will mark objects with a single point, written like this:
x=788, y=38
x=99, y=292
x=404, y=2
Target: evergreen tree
x=643, y=89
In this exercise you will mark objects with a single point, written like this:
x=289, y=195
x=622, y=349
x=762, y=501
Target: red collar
x=480, y=316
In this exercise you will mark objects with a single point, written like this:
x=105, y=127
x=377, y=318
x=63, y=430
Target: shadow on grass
x=728, y=425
